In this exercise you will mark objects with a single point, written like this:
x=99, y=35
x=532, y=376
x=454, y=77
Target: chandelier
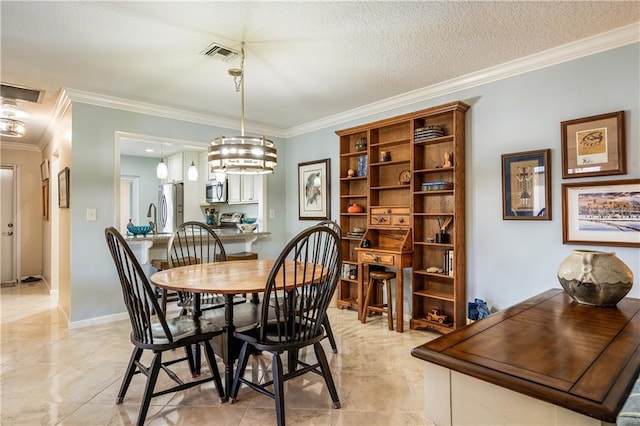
x=10, y=126
x=242, y=154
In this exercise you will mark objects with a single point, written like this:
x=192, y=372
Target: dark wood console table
x=579, y=357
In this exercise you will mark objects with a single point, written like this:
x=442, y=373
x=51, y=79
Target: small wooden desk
x=228, y=278
x=579, y=357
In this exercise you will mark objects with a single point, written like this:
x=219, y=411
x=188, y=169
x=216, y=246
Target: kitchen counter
x=154, y=246
x=224, y=234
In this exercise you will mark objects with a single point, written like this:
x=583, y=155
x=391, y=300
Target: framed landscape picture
x=314, y=191
x=526, y=185
x=63, y=188
x=601, y=213
x=593, y=146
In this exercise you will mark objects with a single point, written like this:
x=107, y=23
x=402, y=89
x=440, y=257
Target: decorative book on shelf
x=436, y=186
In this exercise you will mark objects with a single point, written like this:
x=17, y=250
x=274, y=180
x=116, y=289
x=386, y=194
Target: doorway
x=8, y=228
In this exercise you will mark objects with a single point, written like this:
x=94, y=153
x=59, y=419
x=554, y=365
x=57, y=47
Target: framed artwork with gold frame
x=593, y=146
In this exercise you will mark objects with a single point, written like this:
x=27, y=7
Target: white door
x=7, y=224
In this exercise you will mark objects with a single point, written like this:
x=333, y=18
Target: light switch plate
x=91, y=215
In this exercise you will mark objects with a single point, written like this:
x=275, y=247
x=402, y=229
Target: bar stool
x=378, y=278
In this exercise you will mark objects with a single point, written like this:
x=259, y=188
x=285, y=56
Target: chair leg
x=192, y=366
x=148, y=389
x=327, y=329
x=131, y=369
x=243, y=358
x=213, y=366
x=326, y=373
x=367, y=300
x=164, y=300
x=389, y=304
x=278, y=387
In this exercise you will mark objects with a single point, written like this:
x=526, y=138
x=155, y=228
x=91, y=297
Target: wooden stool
x=377, y=278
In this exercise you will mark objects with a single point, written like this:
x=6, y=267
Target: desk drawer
x=400, y=220
x=390, y=216
x=379, y=258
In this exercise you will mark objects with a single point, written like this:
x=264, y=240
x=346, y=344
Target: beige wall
x=29, y=206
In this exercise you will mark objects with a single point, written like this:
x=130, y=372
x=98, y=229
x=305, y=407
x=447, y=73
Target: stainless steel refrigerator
x=170, y=207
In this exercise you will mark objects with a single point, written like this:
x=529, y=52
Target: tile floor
x=50, y=375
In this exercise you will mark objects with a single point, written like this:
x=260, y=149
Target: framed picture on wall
x=44, y=170
x=63, y=188
x=526, y=185
x=45, y=199
x=314, y=190
x=593, y=146
x=601, y=213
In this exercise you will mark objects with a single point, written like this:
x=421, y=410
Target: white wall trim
x=106, y=319
x=606, y=41
x=19, y=146
x=166, y=112
x=98, y=320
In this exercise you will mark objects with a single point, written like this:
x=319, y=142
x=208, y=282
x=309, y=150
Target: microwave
x=216, y=191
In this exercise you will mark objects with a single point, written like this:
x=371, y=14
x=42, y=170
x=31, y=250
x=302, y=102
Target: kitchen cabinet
x=244, y=189
x=175, y=167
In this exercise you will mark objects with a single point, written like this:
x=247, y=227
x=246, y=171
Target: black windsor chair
x=327, y=325
x=190, y=244
x=152, y=331
x=293, y=314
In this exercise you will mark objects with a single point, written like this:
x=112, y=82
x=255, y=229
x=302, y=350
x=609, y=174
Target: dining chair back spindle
x=327, y=325
x=293, y=312
x=152, y=331
x=190, y=244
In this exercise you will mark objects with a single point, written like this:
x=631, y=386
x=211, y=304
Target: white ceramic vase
x=595, y=277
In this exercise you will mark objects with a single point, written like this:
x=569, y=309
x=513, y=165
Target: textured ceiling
x=305, y=60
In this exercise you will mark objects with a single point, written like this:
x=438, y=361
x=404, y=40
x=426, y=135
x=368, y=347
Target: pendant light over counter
x=242, y=154
x=192, y=172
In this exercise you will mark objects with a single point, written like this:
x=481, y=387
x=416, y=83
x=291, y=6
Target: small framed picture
x=601, y=213
x=526, y=185
x=44, y=170
x=593, y=146
x=63, y=188
x=45, y=199
x=314, y=190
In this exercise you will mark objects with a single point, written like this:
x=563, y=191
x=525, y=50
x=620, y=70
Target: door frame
x=15, y=169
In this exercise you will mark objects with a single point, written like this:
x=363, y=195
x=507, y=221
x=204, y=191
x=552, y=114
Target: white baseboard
x=98, y=320
x=106, y=319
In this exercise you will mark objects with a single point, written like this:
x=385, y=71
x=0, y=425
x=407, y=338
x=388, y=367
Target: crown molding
x=599, y=43
x=165, y=112
x=19, y=146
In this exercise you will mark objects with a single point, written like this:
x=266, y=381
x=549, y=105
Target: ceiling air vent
x=220, y=52
x=20, y=93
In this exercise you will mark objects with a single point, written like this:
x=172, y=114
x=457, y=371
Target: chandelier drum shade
x=242, y=154
x=10, y=126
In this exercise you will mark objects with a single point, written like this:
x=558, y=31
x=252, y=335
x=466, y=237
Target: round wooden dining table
x=228, y=278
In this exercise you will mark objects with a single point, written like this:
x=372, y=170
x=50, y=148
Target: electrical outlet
x=272, y=213
x=91, y=215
